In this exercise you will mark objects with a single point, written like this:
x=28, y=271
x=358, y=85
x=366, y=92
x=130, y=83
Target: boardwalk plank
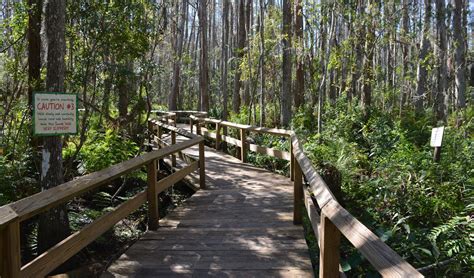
x=240, y=226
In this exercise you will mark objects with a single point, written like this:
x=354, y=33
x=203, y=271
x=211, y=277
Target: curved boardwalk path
x=240, y=226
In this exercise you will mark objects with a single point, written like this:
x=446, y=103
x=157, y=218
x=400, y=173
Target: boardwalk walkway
x=240, y=226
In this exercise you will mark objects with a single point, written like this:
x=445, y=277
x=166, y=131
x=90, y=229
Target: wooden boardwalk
x=240, y=226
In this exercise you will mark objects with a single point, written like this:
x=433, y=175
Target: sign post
x=54, y=114
x=436, y=140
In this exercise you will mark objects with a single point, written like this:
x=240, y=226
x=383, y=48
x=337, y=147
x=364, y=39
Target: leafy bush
x=102, y=150
x=422, y=208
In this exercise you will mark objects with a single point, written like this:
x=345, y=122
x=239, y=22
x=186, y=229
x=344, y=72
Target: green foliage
x=422, y=208
x=102, y=150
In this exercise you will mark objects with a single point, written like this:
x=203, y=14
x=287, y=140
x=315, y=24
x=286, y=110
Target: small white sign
x=55, y=114
x=437, y=136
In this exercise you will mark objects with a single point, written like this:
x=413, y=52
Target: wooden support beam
x=153, y=214
x=218, y=136
x=298, y=196
x=150, y=134
x=292, y=162
x=202, y=165
x=159, y=134
x=243, y=148
x=330, y=240
x=173, y=141
x=198, y=128
x=191, y=124
x=10, y=250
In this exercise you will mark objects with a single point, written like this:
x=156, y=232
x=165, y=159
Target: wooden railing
x=12, y=214
x=333, y=219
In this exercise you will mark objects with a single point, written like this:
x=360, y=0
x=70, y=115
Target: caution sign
x=55, y=114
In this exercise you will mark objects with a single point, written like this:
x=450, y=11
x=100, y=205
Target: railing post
x=292, y=161
x=153, y=214
x=329, y=242
x=243, y=149
x=297, y=195
x=174, y=119
x=218, y=136
x=198, y=127
x=173, y=141
x=159, y=136
x=10, y=250
x=202, y=165
x=191, y=123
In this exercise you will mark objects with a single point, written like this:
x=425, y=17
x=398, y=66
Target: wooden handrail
x=12, y=214
x=42, y=201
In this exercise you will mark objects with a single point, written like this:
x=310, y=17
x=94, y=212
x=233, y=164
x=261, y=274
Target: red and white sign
x=55, y=114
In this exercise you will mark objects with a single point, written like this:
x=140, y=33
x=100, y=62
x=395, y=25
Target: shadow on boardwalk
x=240, y=226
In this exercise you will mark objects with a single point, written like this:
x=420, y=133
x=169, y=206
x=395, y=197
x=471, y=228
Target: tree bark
x=204, y=63
x=54, y=224
x=459, y=54
x=441, y=94
x=262, y=62
x=366, y=97
x=239, y=53
x=178, y=51
x=299, y=84
x=422, y=71
x=286, y=96
x=225, y=57
x=34, y=48
x=405, y=48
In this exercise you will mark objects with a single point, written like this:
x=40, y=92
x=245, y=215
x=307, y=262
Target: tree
x=204, y=63
x=422, y=71
x=239, y=53
x=54, y=224
x=299, y=84
x=286, y=97
x=459, y=54
x=34, y=48
x=366, y=96
x=262, y=62
x=225, y=57
x=441, y=98
x=178, y=51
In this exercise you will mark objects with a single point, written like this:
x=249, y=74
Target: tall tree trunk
x=359, y=52
x=239, y=53
x=54, y=224
x=459, y=54
x=422, y=71
x=204, y=63
x=286, y=96
x=34, y=84
x=34, y=48
x=178, y=51
x=262, y=62
x=329, y=74
x=225, y=57
x=299, y=84
x=246, y=92
x=442, y=92
x=366, y=97
x=405, y=48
